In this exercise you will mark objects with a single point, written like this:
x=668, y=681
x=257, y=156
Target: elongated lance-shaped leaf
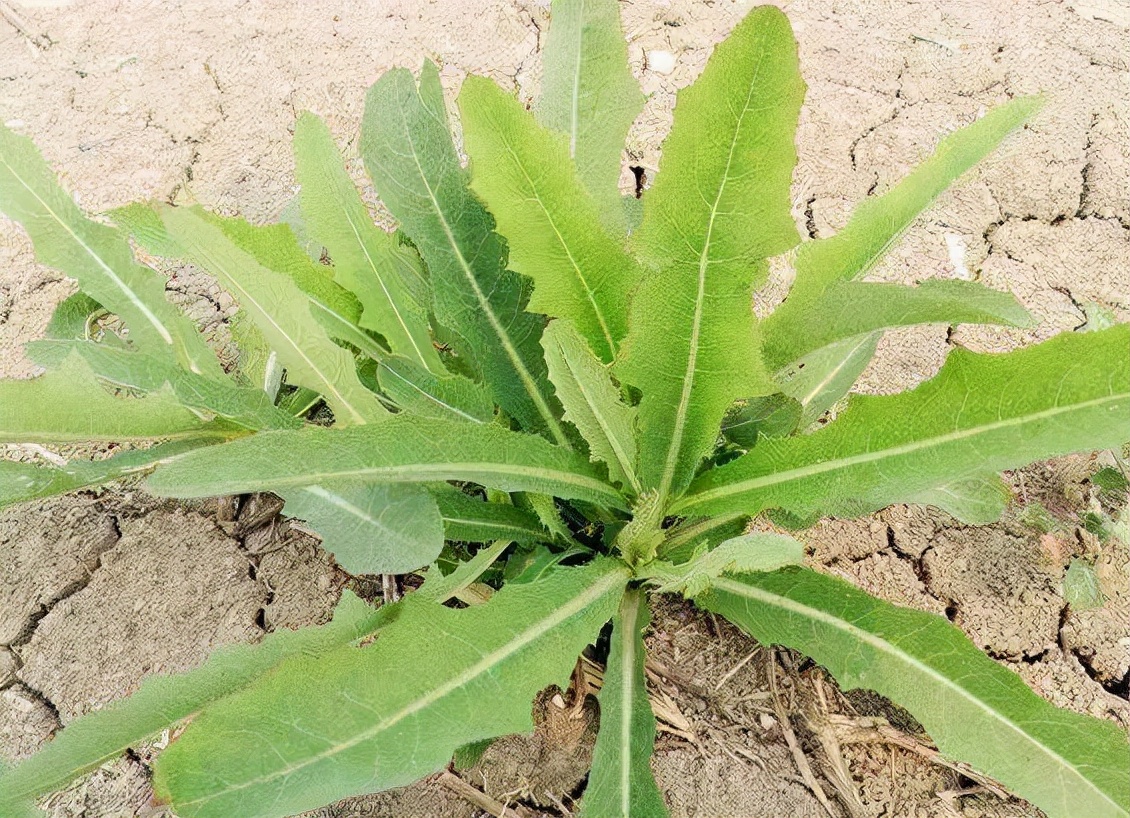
x=472, y=520
x=621, y=783
x=820, y=379
x=588, y=94
x=147, y=372
x=977, y=500
x=975, y=710
x=370, y=528
x=524, y=174
x=359, y=720
x=848, y=309
x=367, y=260
x=69, y=403
x=981, y=413
x=402, y=449
x=281, y=313
x=411, y=159
x=162, y=701
x=878, y=222
x=275, y=247
x=743, y=554
x=418, y=391
x=20, y=482
x=95, y=255
x=719, y=206
x=592, y=402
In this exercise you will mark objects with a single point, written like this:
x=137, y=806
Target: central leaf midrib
x=692, y=500
x=520, y=641
x=884, y=646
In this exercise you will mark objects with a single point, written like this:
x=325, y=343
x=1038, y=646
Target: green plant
x=554, y=390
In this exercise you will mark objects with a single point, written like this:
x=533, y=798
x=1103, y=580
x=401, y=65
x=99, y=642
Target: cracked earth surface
x=195, y=103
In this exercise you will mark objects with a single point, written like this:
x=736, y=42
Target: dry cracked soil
x=195, y=102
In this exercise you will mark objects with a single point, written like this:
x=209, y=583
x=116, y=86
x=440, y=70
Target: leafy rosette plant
x=569, y=399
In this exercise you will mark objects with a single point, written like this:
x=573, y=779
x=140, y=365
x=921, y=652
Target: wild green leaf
x=162, y=701
x=592, y=403
x=743, y=554
x=20, y=482
x=621, y=783
x=95, y=255
x=525, y=175
x=358, y=720
x=418, y=391
x=765, y=416
x=981, y=413
x=469, y=519
x=410, y=156
x=402, y=449
x=849, y=309
x=69, y=403
x=1081, y=588
x=588, y=94
x=691, y=538
x=821, y=378
x=878, y=222
x=367, y=260
x=720, y=205
x=370, y=528
x=283, y=316
x=442, y=588
x=73, y=320
x=976, y=500
x=975, y=710
x=146, y=372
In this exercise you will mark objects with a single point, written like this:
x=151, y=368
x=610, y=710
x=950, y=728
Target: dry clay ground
x=195, y=101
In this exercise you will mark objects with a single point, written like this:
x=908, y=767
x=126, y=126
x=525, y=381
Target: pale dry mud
x=195, y=102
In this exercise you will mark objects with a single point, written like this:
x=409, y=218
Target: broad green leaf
x=592, y=402
x=411, y=159
x=981, y=413
x=848, y=309
x=72, y=320
x=283, y=316
x=621, y=783
x=26, y=481
x=690, y=538
x=878, y=222
x=402, y=449
x=367, y=260
x=821, y=378
x=162, y=701
x=975, y=710
x=442, y=588
x=766, y=416
x=1081, y=588
x=418, y=391
x=95, y=255
x=69, y=403
x=589, y=94
x=358, y=720
x=977, y=500
x=468, y=519
x=146, y=372
x=720, y=205
x=744, y=554
x=525, y=175
x=370, y=528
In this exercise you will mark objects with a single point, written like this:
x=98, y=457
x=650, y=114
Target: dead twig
x=477, y=797
x=40, y=41
x=799, y=758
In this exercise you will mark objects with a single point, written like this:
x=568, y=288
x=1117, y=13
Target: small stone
x=661, y=62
